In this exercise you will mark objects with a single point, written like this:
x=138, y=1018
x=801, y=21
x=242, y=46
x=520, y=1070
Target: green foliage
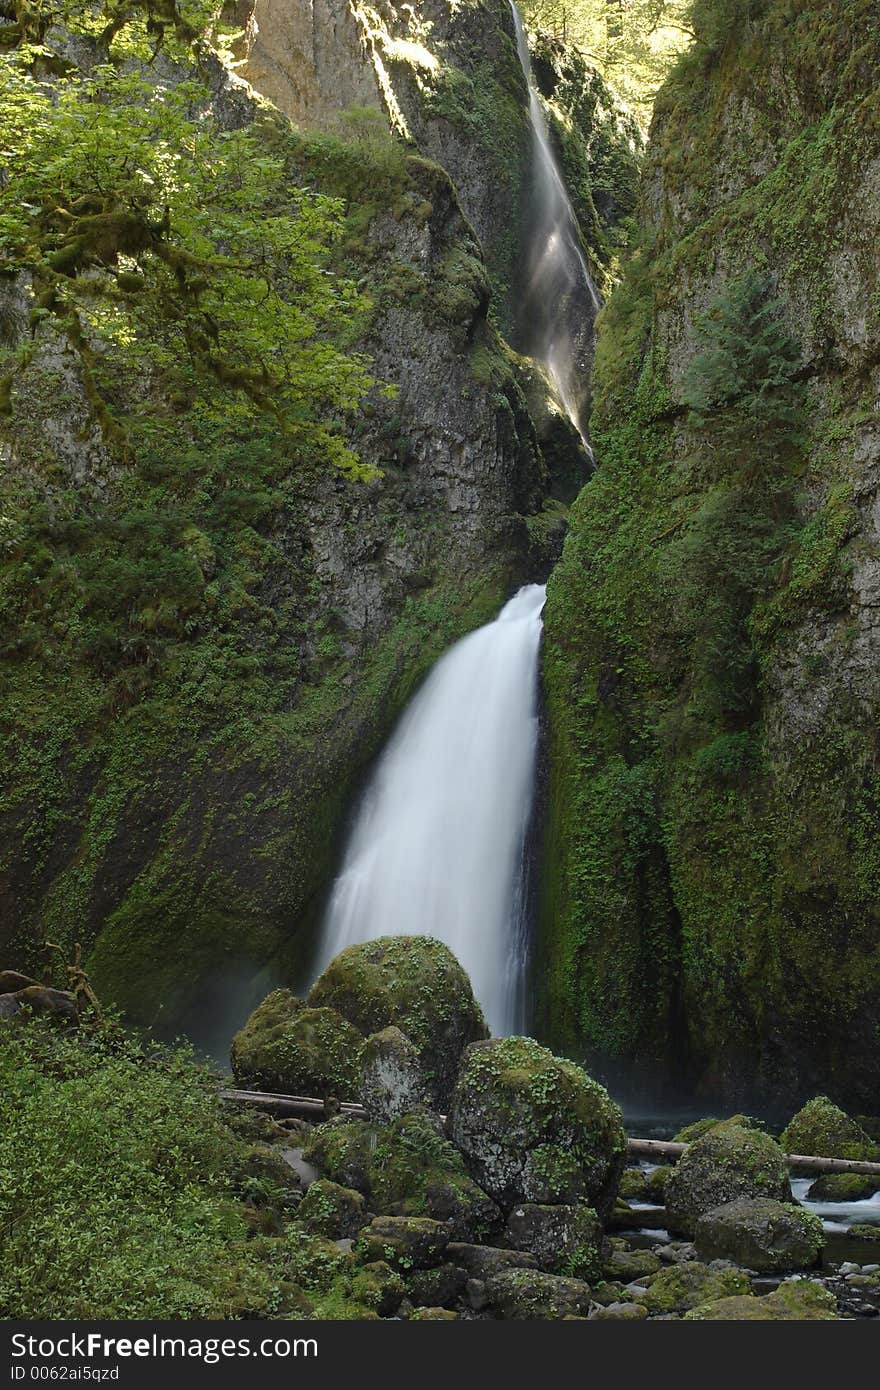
x=124, y=205
x=115, y=1199
x=634, y=41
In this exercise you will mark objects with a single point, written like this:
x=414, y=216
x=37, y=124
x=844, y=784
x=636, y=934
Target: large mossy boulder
x=289, y=1047
x=768, y=1236
x=727, y=1162
x=821, y=1128
x=403, y=1242
x=535, y=1128
x=413, y=983
x=331, y=1211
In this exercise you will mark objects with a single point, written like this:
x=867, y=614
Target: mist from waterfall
x=559, y=297
x=438, y=846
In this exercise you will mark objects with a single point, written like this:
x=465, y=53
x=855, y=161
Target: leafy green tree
x=164, y=247
x=634, y=41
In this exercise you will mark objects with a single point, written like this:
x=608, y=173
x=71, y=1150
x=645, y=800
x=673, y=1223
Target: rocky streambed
x=488, y=1179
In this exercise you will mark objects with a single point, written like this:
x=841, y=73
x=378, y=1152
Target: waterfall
x=438, y=846
x=559, y=301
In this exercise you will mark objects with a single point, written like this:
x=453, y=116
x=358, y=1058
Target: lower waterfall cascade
x=438, y=844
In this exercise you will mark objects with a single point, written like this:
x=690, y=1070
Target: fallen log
x=662, y=1150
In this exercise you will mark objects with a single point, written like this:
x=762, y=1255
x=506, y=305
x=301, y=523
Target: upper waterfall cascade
x=439, y=841
x=559, y=297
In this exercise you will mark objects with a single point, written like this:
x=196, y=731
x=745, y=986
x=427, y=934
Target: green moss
x=290, y=1048
x=822, y=1128
x=678, y=1288
x=701, y=854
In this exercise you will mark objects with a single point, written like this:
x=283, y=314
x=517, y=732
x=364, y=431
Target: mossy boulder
x=415, y=1171
x=761, y=1234
x=619, y=1312
x=633, y=1185
x=393, y=1079
x=655, y=1185
x=290, y=1047
x=413, y=983
x=843, y=1187
x=535, y=1128
x=626, y=1265
x=864, y=1231
x=342, y=1150
x=729, y=1161
x=684, y=1286
x=403, y=1242
x=335, y=1212
x=531, y=1294
x=823, y=1129
x=803, y=1301
x=563, y=1238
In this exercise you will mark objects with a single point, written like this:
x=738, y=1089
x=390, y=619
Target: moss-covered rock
x=843, y=1187
x=436, y=1288
x=624, y=1266
x=415, y=1171
x=655, y=1187
x=530, y=1294
x=804, y=1301
x=619, y=1312
x=413, y=983
x=823, y=1129
x=727, y=1162
x=535, y=1128
x=684, y=1286
x=289, y=1047
x=331, y=1211
x=564, y=1239
x=342, y=1150
x=403, y=1242
x=633, y=1184
x=393, y=1078
x=762, y=1234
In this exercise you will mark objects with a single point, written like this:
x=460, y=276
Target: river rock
x=415, y=984
x=331, y=1211
x=843, y=1187
x=729, y=1161
x=761, y=1234
x=436, y=1288
x=560, y=1237
x=12, y=980
x=482, y=1261
x=800, y=1301
x=823, y=1129
x=619, y=1312
x=626, y=1265
x=9, y=1005
x=535, y=1128
x=393, y=1079
x=530, y=1294
x=404, y=1242
x=289, y=1047
x=633, y=1185
x=679, y=1287
x=40, y=999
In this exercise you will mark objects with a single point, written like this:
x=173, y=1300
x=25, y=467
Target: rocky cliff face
x=178, y=810
x=712, y=629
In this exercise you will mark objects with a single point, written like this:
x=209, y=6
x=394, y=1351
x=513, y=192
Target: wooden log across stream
x=663, y=1151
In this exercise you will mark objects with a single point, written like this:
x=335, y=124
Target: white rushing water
x=438, y=847
x=559, y=292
